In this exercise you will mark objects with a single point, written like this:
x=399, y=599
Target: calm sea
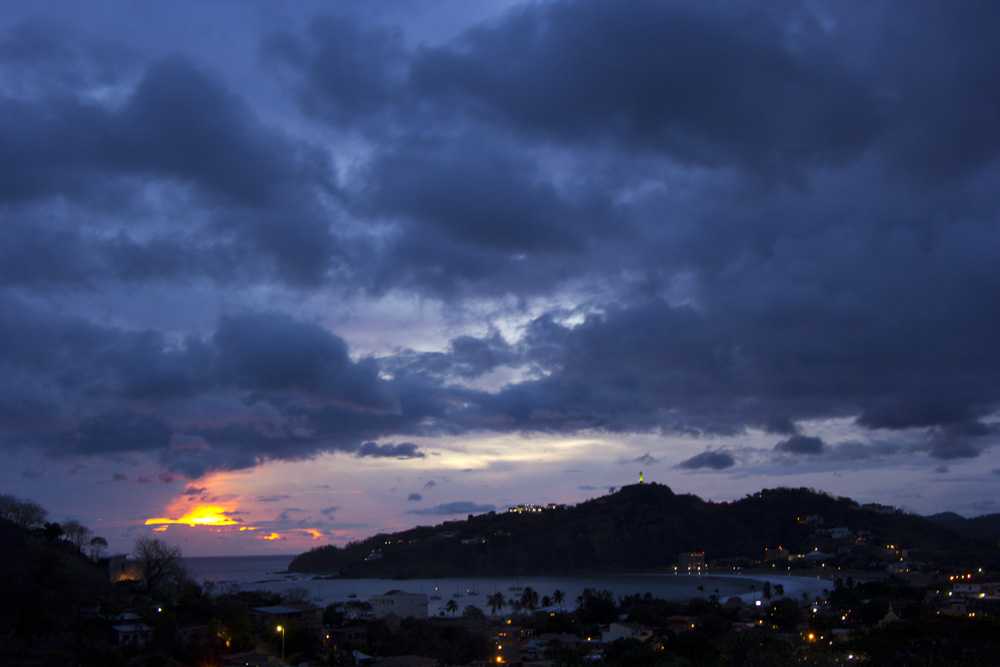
x=270, y=573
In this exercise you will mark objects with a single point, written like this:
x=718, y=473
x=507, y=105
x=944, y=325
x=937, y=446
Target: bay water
x=270, y=573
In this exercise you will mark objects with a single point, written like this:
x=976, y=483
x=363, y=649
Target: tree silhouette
x=529, y=598
x=24, y=513
x=558, y=597
x=496, y=601
x=98, y=545
x=160, y=563
x=451, y=607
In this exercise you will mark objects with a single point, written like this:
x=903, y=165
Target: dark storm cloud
x=482, y=195
x=181, y=127
x=404, y=450
x=801, y=444
x=458, y=507
x=415, y=497
x=715, y=460
x=704, y=85
x=780, y=424
x=179, y=123
x=739, y=218
x=269, y=352
x=343, y=71
x=646, y=459
x=121, y=431
x=964, y=441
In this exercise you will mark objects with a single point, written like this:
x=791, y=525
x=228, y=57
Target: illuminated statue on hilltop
x=640, y=477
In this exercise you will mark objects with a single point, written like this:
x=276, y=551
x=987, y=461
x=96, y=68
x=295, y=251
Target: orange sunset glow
x=204, y=515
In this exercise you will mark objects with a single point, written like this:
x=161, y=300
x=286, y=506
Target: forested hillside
x=642, y=527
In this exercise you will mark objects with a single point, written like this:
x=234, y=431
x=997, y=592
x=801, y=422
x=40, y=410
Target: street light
x=282, y=631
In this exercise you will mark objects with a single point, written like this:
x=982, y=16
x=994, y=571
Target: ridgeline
x=643, y=528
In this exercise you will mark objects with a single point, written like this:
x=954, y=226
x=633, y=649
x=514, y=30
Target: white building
x=400, y=603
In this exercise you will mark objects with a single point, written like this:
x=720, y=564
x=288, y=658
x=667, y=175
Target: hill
x=985, y=527
x=641, y=528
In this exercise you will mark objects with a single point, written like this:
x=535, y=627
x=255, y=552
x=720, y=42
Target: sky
x=280, y=275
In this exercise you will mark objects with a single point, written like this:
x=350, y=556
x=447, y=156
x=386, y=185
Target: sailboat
x=458, y=591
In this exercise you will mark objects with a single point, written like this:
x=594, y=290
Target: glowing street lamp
x=282, y=631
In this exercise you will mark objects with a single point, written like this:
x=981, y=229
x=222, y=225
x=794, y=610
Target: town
x=68, y=603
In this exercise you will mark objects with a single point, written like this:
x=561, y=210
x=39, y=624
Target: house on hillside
x=622, y=630
x=266, y=618
x=132, y=634
x=400, y=603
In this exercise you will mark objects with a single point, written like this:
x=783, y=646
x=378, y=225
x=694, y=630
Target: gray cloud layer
x=765, y=215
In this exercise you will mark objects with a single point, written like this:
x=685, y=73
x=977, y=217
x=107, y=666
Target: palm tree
x=451, y=607
x=496, y=601
x=558, y=597
x=753, y=589
x=701, y=587
x=529, y=598
x=779, y=590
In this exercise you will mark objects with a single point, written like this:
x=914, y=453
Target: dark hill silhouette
x=641, y=528
x=985, y=527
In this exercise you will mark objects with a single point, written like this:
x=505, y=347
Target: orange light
x=205, y=515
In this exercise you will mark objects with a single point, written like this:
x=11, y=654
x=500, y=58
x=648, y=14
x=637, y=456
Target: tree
x=701, y=587
x=23, y=513
x=76, y=533
x=451, y=607
x=52, y=531
x=496, y=601
x=97, y=547
x=473, y=612
x=160, y=563
x=558, y=597
x=529, y=598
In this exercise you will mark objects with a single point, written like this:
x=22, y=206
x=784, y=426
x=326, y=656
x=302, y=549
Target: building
x=400, y=603
x=265, y=619
x=132, y=634
x=694, y=560
x=621, y=630
x=779, y=554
